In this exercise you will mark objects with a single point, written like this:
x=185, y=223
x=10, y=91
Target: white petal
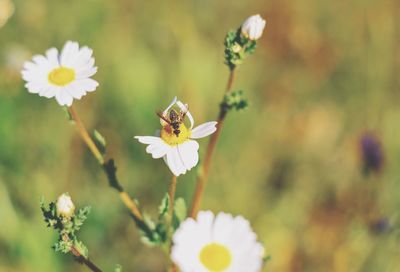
x=188, y=153
x=88, y=84
x=170, y=105
x=40, y=60
x=52, y=56
x=174, y=162
x=148, y=139
x=158, y=150
x=86, y=73
x=74, y=91
x=49, y=91
x=167, y=109
x=68, y=53
x=64, y=98
x=203, y=130
x=184, y=108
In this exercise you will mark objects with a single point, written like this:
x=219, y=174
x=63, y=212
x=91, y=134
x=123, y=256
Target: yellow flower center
x=168, y=134
x=61, y=76
x=215, y=257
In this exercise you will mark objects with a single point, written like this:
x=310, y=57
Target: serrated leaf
x=100, y=141
x=164, y=207
x=81, y=248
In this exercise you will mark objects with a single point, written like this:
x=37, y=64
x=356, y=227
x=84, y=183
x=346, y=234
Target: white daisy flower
x=216, y=244
x=65, y=75
x=253, y=27
x=175, y=142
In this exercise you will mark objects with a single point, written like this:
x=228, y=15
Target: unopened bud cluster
x=61, y=216
x=243, y=41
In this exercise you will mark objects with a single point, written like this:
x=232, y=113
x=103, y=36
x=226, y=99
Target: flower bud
x=253, y=27
x=236, y=48
x=65, y=206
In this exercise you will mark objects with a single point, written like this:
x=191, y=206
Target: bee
x=174, y=119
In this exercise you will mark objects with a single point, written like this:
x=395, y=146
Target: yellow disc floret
x=167, y=133
x=62, y=76
x=215, y=257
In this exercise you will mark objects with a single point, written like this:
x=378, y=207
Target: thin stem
x=81, y=258
x=205, y=168
x=230, y=81
x=84, y=260
x=85, y=136
x=108, y=167
x=171, y=193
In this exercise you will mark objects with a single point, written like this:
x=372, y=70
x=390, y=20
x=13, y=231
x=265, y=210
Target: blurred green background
x=325, y=72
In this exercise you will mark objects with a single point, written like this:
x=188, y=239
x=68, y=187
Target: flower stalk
x=108, y=167
x=82, y=259
x=205, y=168
x=171, y=193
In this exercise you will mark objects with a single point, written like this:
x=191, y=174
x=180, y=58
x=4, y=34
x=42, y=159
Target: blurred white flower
x=65, y=206
x=65, y=75
x=253, y=27
x=175, y=142
x=6, y=11
x=221, y=243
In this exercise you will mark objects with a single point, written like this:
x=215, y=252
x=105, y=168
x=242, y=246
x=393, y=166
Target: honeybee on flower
x=175, y=143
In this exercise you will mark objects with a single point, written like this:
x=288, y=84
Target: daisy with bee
x=175, y=142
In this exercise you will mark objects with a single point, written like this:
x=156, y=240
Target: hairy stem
x=80, y=257
x=205, y=168
x=108, y=167
x=86, y=261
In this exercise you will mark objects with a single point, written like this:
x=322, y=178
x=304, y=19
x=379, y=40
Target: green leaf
x=164, y=207
x=180, y=211
x=234, y=100
x=63, y=246
x=118, y=268
x=68, y=115
x=267, y=258
x=100, y=141
x=80, y=246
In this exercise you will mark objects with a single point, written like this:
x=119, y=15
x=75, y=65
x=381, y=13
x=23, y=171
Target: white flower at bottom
x=253, y=27
x=216, y=244
x=65, y=76
x=65, y=206
x=176, y=145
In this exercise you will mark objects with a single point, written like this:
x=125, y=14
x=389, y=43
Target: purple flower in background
x=372, y=153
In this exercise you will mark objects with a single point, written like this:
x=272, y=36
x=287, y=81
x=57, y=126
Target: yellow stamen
x=168, y=135
x=62, y=76
x=215, y=257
